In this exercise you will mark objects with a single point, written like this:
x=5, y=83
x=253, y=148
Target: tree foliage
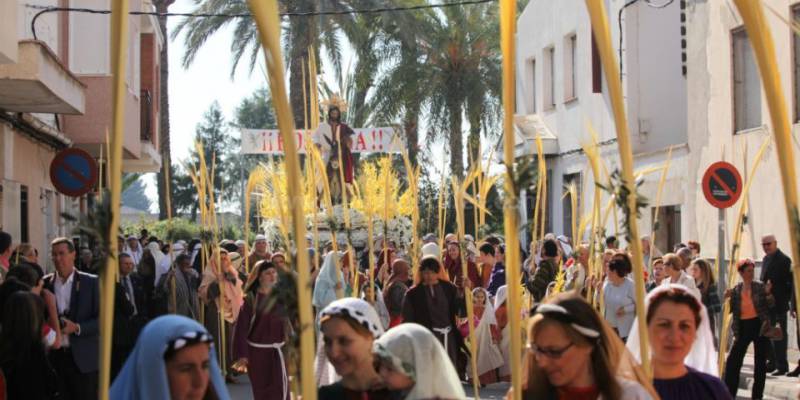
x=134, y=195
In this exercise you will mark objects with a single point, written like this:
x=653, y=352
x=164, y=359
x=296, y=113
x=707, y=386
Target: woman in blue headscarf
x=189, y=369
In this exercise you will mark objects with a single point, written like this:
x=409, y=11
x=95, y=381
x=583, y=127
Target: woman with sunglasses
x=674, y=273
x=749, y=303
x=682, y=346
x=574, y=354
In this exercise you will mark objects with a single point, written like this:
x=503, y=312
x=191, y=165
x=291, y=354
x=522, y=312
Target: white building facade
x=561, y=90
x=728, y=118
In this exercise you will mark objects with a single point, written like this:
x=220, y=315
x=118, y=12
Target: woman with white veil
x=487, y=336
x=324, y=294
x=411, y=360
x=501, y=315
x=681, y=345
x=327, y=281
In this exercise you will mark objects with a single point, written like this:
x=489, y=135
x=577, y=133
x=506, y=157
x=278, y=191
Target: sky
x=192, y=90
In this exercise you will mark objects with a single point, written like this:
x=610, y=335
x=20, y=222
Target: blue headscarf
x=144, y=375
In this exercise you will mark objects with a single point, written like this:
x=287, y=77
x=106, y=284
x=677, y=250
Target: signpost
x=722, y=187
x=73, y=172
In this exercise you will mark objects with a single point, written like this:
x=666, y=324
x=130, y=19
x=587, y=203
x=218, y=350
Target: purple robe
x=257, y=337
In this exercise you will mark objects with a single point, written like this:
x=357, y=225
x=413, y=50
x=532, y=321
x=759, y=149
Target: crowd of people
x=189, y=316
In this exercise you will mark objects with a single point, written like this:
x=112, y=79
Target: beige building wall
x=711, y=127
x=25, y=168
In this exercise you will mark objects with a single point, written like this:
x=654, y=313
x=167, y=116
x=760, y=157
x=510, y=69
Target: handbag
x=771, y=332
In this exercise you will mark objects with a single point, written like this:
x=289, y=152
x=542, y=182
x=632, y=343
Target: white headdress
x=489, y=356
x=358, y=310
x=702, y=356
x=415, y=351
x=501, y=296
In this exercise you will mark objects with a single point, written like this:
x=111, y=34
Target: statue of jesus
x=334, y=139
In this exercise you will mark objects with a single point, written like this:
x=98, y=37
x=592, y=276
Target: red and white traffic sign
x=722, y=184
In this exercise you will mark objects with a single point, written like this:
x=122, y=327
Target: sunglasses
x=553, y=354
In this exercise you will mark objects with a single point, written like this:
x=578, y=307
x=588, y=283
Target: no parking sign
x=722, y=184
x=73, y=172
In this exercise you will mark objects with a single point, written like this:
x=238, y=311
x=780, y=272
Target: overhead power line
x=48, y=9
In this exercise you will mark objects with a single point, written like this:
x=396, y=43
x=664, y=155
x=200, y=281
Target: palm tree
x=401, y=90
x=164, y=133
x=450, y=63
x=300, y=34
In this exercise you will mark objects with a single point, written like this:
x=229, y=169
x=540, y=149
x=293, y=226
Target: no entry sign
x=73, y=172
x=722, y=184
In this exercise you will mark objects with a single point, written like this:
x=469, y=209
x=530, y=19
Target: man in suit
x=78, y=304
x=129, y=313
x=776, y=268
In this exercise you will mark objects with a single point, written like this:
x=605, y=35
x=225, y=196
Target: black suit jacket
x=777, y=268
x=127, y=325
x=84, y=310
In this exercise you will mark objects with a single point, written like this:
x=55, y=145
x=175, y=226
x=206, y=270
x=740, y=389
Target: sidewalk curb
x=776, y=387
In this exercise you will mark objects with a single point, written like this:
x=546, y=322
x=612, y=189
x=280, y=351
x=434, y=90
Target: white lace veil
x=703, y=355
x=501, y=296
x=488, y=307
x=415, y=351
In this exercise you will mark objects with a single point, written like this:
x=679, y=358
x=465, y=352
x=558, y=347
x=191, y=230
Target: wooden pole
x=508, y=21
x=119, y=51
x=265, y=13
x=600, y=27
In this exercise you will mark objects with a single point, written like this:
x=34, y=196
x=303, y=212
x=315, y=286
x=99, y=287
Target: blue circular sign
x=73, y=172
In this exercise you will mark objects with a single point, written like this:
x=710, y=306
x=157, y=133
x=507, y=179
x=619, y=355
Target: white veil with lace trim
x=703, y=355
x=413, y=350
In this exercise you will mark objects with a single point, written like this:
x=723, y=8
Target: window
x=597, y=68
x=549, y=83
x=668, y=233
x=796, y=61
x=569, y=67
x=23, y=214
x=566, y=203
x=746, y=84
x=533, y=86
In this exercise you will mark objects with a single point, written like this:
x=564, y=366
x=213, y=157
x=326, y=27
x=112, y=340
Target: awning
x=526, y=128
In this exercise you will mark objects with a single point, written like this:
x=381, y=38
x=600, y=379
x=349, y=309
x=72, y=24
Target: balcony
x=526, y=128
x=149, y=159
x=39, y=83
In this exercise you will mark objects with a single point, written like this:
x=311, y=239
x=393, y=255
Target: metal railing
x=146, y=115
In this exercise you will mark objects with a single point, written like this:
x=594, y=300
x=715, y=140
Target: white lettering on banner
x=365, y=140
